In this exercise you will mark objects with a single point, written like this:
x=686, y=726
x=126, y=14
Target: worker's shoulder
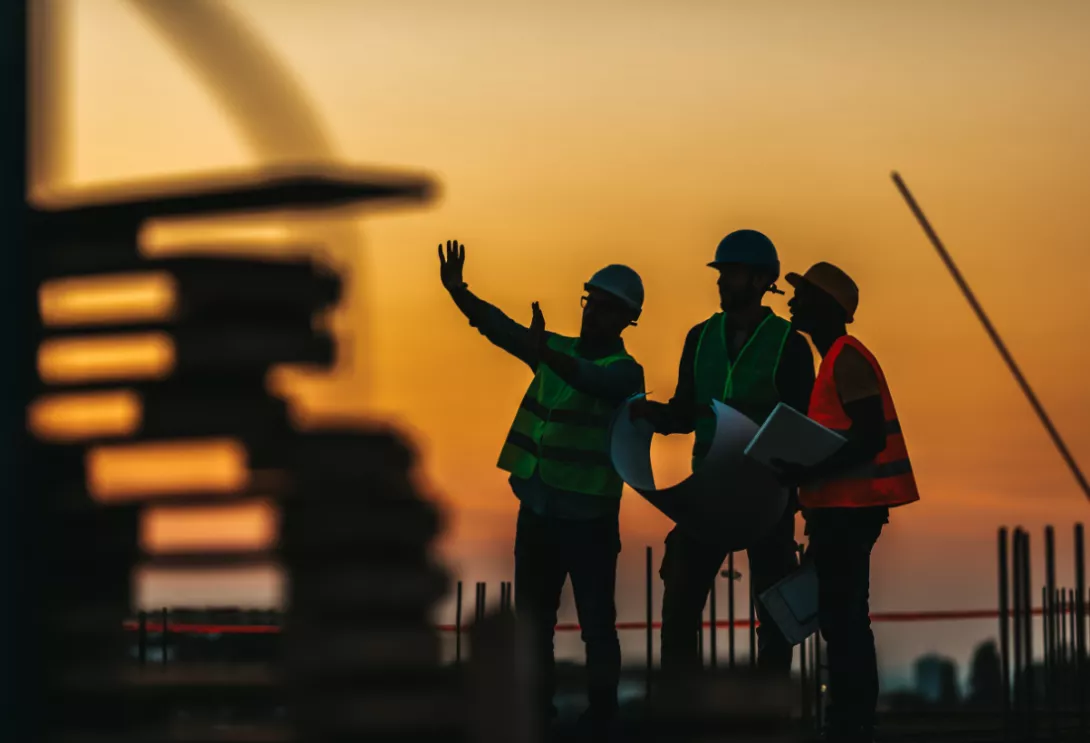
x=851, y=358
x=854, y=374
x=694, y=332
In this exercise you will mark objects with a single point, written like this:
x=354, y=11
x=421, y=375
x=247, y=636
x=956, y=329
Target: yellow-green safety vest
x=748, y=384
x=563, y=433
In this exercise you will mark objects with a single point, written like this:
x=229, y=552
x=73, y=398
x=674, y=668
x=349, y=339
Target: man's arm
x=489, y=320
x=679, y=415
x=795, y=376
x=493, y=324
x=614, y=383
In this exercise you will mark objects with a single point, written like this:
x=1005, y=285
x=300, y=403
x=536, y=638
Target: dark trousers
x=841, y=540
x=688, y=571
x=547, y=551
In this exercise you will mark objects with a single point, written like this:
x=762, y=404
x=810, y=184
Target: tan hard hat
x=834, y=282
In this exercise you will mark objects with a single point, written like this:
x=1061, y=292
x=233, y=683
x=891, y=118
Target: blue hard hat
x=747, y=247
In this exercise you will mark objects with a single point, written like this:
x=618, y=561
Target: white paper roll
x=728, y=503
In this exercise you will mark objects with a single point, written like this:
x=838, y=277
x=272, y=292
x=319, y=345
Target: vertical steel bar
x=700, y=640
x=804, y=686
x=1004, y=626
x=1080, y=631
x=1048, y=626
x=1027, y=596
x=458, y=625
x=819, y=697
x=650, y=622
x=713, y=627
x=142, y=638
x=730, y=610
x=1019, y=677
x=752, y=630
x=165, y=635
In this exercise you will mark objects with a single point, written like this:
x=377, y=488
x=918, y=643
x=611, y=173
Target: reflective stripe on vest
x=887, y=480
x=748, y=384
x=562, y=433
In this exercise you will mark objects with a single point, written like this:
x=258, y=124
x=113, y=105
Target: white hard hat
x=622, y=282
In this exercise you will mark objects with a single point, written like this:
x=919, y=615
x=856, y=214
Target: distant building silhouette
x=986, y=676
x=937, y=680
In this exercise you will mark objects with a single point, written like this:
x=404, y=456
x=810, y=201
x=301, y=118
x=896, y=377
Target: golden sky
x=569, y=135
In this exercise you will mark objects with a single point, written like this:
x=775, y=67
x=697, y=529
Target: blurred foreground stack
x=151, y=398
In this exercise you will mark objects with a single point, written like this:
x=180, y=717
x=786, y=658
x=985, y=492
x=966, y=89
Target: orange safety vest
x=885, y=481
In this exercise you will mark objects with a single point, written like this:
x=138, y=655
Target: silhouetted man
x=557, y=452
x=750, y=359
x=846, y=499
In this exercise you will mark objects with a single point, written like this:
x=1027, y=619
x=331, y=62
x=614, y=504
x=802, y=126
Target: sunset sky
x=568, y=135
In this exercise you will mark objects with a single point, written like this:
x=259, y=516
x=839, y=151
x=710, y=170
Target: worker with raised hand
x=750, y=359
x=557, y=452
x=846, y=498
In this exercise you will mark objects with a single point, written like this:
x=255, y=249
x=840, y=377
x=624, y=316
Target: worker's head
x=613, y=301
x=825, y=298
x=748, y=266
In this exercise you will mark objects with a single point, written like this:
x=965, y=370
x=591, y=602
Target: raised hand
x=537, y=329
x=450, y=266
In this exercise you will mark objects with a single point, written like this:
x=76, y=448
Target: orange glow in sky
x=570, y=135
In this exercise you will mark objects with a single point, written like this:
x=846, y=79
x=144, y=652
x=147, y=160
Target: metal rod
x=700, y=640
x=142, y=639
x=1071, y=626
x=1048, y=617
x=1048, y=613
x=1063, y=628
x=1080, y=631
x=650, y=618
x=1019, y=680
x=730, y=611
x=165, y=635
x=752, y=630
x=1004, y=626
x=804, y=685
x=713, y=630
x=458, y=625
x=819, y=698
x=1038, y=408
x=1027, y=596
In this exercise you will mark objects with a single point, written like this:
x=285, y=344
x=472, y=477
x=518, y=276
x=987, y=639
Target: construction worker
x=557, y=452
x=846, y=498
x=749, y=358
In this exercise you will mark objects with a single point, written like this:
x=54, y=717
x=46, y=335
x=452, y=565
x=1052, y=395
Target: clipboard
x=790, y=436
x=793, y=603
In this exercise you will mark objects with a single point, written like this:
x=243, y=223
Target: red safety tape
x=269, y=629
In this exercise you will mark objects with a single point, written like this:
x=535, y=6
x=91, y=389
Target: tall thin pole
x=458, y=625
x=1038, y=408
x=730, y=609
x=1019, y=680
x=650, y=621
x=713, y=637
x=1080, y=630
x=21, y=675
x=1048, y=613
x=1027, y=596
x=1004, y=625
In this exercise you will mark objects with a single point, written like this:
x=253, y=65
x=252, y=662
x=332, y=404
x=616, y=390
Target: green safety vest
x=748, y=384
x=563, y=433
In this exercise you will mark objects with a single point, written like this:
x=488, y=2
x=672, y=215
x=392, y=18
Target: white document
x=793, y=603
x=729, y=502
x=792, y=437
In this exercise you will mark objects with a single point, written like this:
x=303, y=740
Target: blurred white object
x=728, y=503
x=789, y=435
x=793, y=603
